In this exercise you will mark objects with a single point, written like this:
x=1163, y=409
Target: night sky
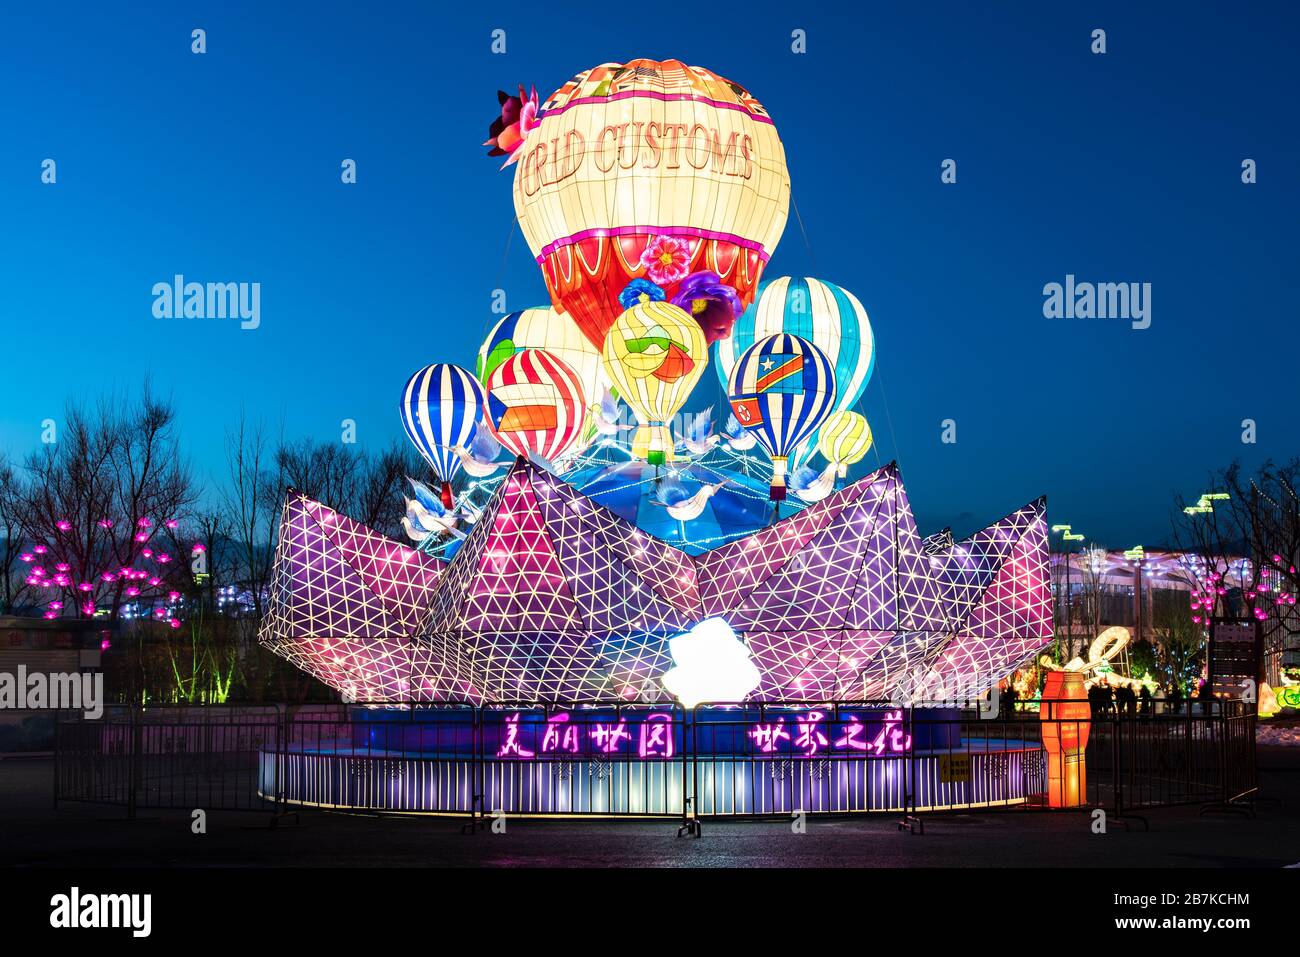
x=1122, y=167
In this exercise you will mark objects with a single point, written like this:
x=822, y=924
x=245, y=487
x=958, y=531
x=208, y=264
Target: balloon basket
x=776, y=490
x=653, y=444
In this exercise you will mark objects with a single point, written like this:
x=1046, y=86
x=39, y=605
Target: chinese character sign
x=659, y=735
x=814, y=733
x=511, y=747
x=524, y=735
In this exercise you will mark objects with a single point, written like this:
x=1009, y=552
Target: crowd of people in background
x=1124, y=701
x=1121, y=700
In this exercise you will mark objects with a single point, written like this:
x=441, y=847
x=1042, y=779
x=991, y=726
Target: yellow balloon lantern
x=654, y=354
x=844, y=439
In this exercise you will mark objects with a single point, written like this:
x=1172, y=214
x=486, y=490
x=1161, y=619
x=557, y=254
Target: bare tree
x=366, y=487
x=1063, y=608
x=1215, y=535
x=212, y=534
x=379, y=497
x=1180, y=651
x=251, y=504
x=104, y=500
x=1092, y=585
x=1270, y=510
x=328, y=472
x=13, y=572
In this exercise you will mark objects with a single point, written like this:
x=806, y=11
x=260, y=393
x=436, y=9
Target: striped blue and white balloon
x=442, y=405
x=823, y=313
x=781, y=390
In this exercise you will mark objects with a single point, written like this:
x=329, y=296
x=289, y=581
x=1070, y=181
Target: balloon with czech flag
x=535, y=404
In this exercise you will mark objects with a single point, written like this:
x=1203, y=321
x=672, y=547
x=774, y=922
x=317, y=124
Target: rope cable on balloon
x=889, y=420
x=511, y=229
x=491, y=482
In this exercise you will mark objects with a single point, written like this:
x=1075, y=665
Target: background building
x=1151, y=594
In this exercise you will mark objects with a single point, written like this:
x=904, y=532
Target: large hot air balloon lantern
x=535, y=404
x=654, y=354
x=441, y=408
x=657, y=171
x=782, y=388
x=823, y=313
x=541, y=327
x=844, y=439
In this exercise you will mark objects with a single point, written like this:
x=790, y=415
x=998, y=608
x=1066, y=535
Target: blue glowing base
x=716, y=786
x=656, y=760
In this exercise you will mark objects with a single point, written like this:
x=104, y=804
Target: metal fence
x=173, y=757
x=633, y=760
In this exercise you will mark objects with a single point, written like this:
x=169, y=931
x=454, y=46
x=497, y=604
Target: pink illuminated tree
x=102, y=509
x=1271, y=507
x=1246, y=548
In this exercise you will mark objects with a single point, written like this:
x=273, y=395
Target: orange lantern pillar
x=1066, y=719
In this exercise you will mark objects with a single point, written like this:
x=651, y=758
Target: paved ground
x=88, y=835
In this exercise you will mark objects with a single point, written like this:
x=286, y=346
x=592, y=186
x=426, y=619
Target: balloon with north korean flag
x=781, y=390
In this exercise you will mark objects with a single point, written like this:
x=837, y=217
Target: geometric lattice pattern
x=552, y=597
x=344, y=600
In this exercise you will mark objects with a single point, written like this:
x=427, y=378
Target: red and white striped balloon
x=535, y=403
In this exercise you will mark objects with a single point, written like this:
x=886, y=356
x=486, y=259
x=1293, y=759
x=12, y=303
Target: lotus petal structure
x=554, y=598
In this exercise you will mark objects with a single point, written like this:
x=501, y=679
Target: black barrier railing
x=170, y=757
x=580, y=759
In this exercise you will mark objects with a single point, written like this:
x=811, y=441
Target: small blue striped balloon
x=827, y=315
x=441, y=407
x=781, y=389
